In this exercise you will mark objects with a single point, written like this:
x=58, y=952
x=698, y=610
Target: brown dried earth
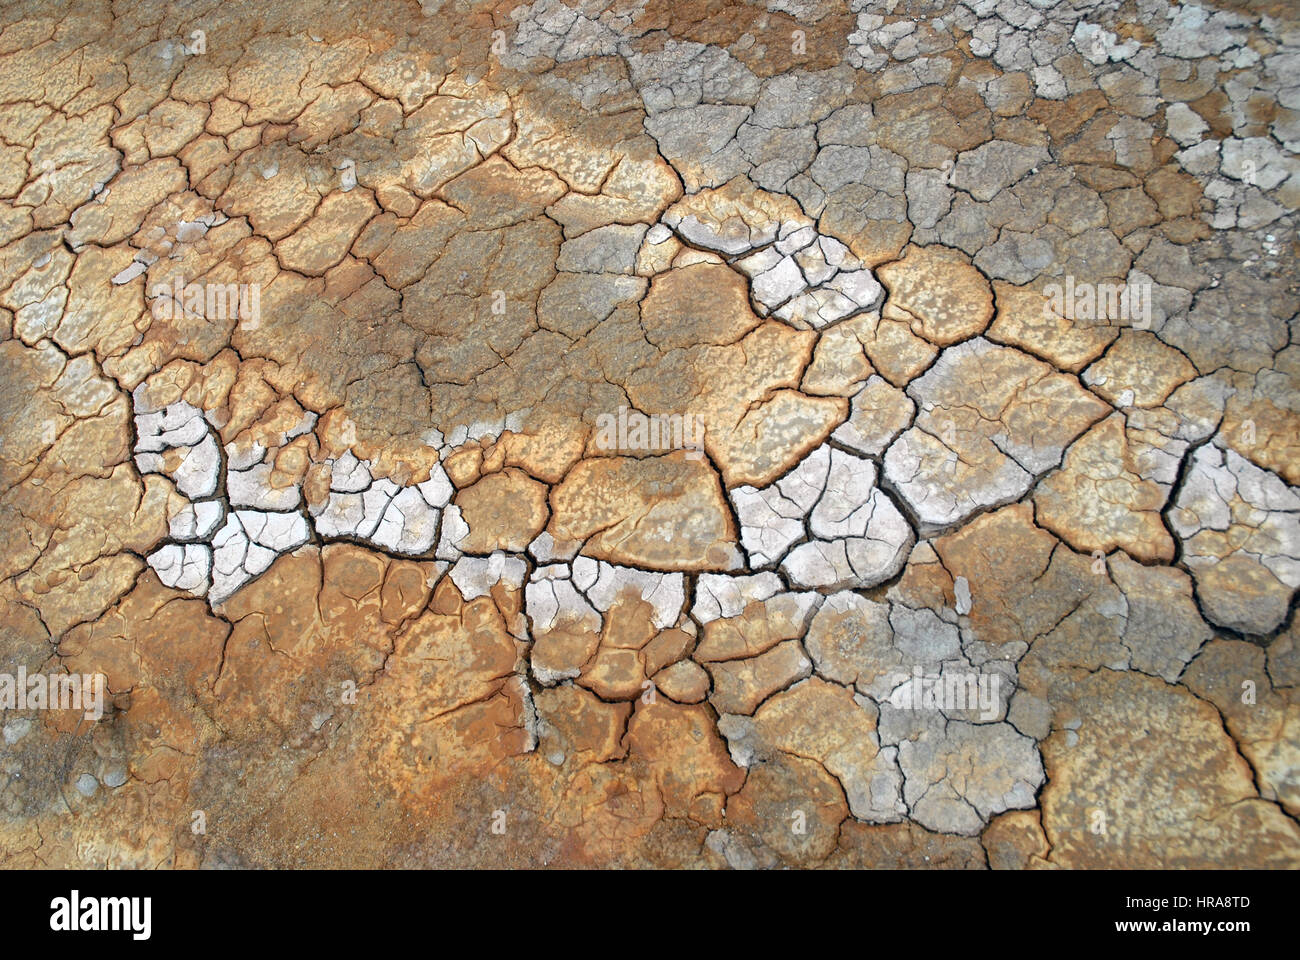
x=370, y=584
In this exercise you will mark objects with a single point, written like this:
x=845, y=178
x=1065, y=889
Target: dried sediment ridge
x=367, y=584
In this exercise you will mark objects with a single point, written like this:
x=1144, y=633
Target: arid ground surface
x=968, y=534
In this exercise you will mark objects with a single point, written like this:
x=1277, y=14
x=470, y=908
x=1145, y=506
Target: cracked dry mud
x=368, y=587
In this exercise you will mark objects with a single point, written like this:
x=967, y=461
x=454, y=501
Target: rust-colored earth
x=735, y=433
